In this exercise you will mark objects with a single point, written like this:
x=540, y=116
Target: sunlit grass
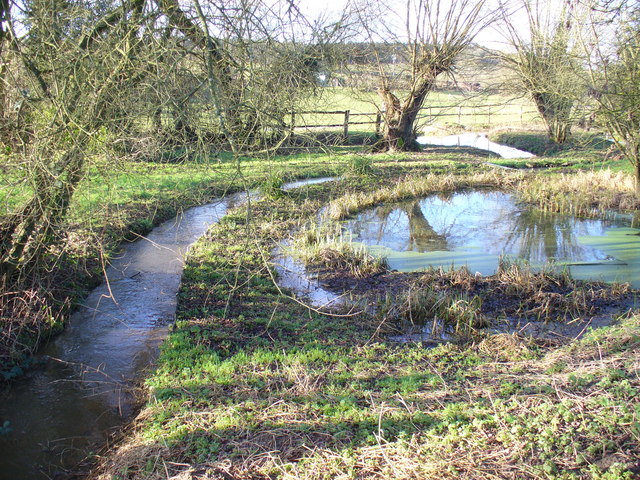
x=442, y=110
x=254, y=385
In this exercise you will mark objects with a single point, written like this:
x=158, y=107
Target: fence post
x=459, y=115
x=346, y=123
x=378, y=123
x=521, y=116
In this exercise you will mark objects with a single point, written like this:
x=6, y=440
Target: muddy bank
x=552, y=307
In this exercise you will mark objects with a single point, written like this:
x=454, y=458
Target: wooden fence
x=431, y=113
x=348, y=120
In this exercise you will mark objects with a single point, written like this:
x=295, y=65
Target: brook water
x=70, y=406
x=475, y=140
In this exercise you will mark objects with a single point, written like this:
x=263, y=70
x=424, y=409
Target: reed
x=418, y=186
x=327, y=247
x=586, y=194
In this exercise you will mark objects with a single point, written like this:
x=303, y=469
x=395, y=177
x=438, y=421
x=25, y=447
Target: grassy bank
x=584, y=150
x=115, y=205
x=252, y=384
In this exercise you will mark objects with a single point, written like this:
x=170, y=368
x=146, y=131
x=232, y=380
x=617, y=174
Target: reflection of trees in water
x=538, y=236
x=495, y=225
x=422, y=236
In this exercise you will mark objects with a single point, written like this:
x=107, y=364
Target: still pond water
x=475, y=228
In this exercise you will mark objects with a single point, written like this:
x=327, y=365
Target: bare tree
x=544, y=58
x=424, y=45
x=257, y=60
x=86, y=85
x=614, y=73
x=67, y=77
x=82, y=72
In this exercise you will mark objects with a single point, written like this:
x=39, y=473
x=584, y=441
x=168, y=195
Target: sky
x=490, y=37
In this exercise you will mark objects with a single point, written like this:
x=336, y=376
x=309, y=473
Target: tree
x=426, y=46
x=86, y=78
x=86, y=85
x=614, y=73
x=544, y=59
x=257, y=60
x=67, y=78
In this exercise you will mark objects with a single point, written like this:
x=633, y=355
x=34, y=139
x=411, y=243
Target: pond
x=476, y=228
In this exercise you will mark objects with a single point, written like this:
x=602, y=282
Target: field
x=252, y=384
x=444, y=111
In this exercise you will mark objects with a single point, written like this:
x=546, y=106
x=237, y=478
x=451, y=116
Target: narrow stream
x=82, y=394
x=475, y=140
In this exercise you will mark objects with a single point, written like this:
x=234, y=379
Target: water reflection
x=491, y=223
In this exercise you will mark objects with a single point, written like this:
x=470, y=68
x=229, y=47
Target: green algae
x=623, y=246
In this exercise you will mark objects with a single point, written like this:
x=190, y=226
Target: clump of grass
x=26, y=317
x=441, y=312
x=549, y=295
x=506, y=347
x=418, y=186
x=359, y=165
x=271, y=186
x=326, y=247
x=590, y=193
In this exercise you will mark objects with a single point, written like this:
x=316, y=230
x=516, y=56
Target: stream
x=82, y=393
x=475, y=140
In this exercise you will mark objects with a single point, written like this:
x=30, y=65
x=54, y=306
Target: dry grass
x=415, y=187
x=590, y=193
x=439, y=310
x=25, y=316
x=326, y=248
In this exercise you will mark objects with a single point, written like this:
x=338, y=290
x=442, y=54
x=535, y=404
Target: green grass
x=584, y=150
x=252, y=384
x=442, y=110
x=124, y=201
x=536, y=142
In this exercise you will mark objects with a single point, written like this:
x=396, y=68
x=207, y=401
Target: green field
x=252, y=384
x=442, y=111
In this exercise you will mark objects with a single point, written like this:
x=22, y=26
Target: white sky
x=490, y=37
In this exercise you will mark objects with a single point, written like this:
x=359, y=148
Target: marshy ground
x=253, y=384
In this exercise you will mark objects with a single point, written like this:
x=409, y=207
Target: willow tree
x=68, y=69
x=426, y=39
x=614, y=67
x=544, y=58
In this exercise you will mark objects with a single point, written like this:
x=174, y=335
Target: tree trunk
x=637, y=178
x=399, y=128
x=556, y=113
